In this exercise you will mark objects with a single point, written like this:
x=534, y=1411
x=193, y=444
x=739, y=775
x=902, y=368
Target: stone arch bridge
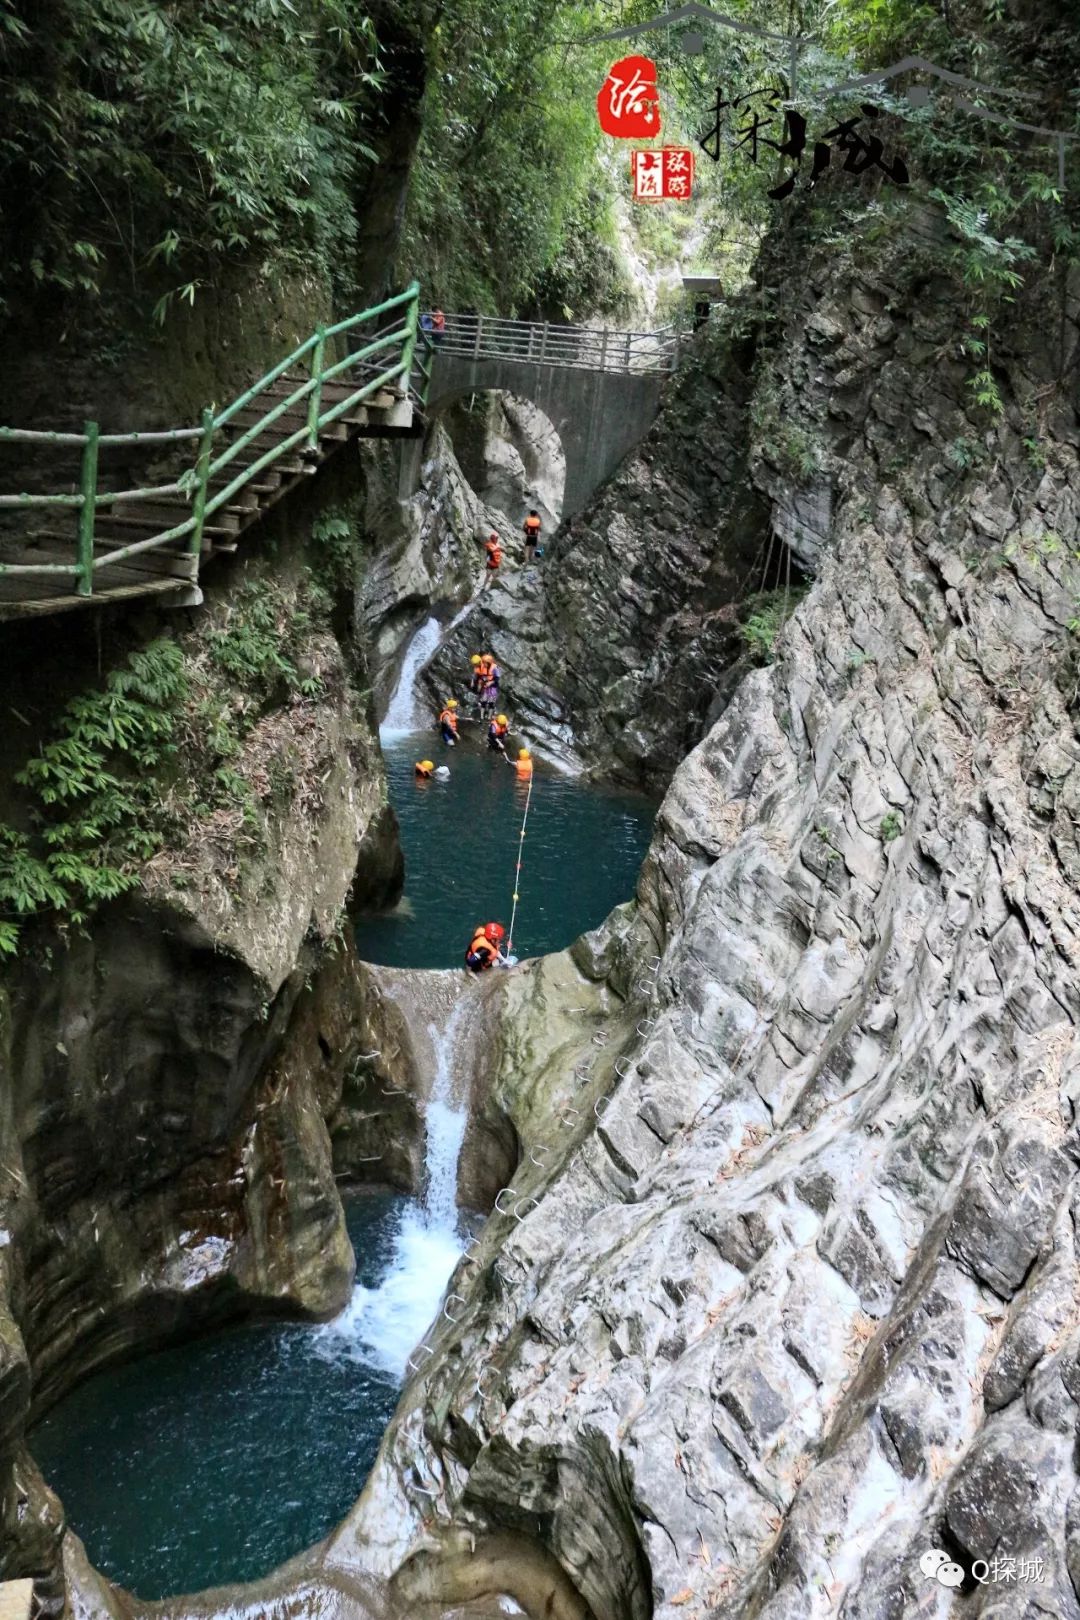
x=86, y=533
x=599, y=389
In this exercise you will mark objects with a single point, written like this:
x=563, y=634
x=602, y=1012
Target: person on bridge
x=426, y=324
x=523, y=765
x=438, y=327
x=493, y=547
x=448, y=722
x=483, y=951
x=497, y=733
x=532, y=535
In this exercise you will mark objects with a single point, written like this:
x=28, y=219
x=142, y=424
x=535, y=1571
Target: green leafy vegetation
x=145, y=142
x=336, y=549
x=507, y=193
x=891, y=826
x=92, y=813
x=770, y=612
x=135, y=767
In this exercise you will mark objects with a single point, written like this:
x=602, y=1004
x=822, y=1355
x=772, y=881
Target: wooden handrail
x=195, y=482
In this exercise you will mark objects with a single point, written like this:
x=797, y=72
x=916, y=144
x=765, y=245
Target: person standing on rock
x=492, y=680
x=532, y=535
x=493, y=547
x=448, y=722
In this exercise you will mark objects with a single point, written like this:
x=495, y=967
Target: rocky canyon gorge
x=754, y=1202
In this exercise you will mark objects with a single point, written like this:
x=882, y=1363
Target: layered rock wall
x=801, y=1300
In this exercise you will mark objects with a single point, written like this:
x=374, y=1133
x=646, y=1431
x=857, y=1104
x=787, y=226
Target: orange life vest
x=524, y=768
x=532, y=527
x=449, y=718
x=495, y=730
x=487, y=664
x=494, y=553
x=481, y=946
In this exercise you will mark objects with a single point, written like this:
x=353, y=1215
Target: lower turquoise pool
x=215, y=1460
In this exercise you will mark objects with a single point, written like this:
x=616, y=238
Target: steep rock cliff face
x=428, y=526
x=614, y=647
x=801, y=1300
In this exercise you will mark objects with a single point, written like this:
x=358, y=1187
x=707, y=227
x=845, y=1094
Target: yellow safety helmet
x=425, y=764
x=524, y=754
x=475, y=659
x=451, y=703
x=502, y=720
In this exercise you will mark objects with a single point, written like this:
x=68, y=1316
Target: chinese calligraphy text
x=664, y=176
x=629, y=101
x=762, y=118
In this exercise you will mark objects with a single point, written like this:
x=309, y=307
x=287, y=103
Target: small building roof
x=703, y=284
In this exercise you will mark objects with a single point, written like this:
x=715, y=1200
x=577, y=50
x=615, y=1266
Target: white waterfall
x=404, y=713
x=381, y=1326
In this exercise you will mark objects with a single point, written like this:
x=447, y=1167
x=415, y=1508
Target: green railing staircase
x=247, y=456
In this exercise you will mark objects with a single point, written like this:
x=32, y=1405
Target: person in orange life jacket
x=489, y=695
x=523, y=765
x=497, y=733
x=494, y=552
x=483, y=951
x=424, y=769
x=448, y=722
x=532, y=535
x=438, y=327
x=476, y=678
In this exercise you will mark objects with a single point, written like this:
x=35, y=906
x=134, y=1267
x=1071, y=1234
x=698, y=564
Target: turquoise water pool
x=215, y=1460
x=583, y=848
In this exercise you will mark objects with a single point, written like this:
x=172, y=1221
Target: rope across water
x=517, y=872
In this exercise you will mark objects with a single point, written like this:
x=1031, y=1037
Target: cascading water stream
x=403, y=714
x=406, y=712
x=380, y=1326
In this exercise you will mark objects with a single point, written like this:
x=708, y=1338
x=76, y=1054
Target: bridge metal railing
x=488, y=337
x=393, y=341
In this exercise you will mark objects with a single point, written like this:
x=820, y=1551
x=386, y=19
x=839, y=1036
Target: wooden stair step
x=268, y=478
x=288, y=461
x=296, y=416
x=129, y=527
x=175, y=564
x=154, y=515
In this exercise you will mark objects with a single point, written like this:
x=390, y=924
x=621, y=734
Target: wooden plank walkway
x=170, y=572
x=83, y=547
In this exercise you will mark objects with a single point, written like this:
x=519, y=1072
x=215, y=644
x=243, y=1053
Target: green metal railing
x=397, y=343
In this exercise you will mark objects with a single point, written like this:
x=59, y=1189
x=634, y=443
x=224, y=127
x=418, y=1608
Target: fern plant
x=92, y=815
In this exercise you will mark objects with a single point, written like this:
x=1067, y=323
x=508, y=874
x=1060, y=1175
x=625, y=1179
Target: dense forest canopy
x=147, y=143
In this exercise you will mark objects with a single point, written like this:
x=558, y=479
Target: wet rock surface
x=795, y=1297
x=167, y=1076
x=783, y=1290
x=616, y=645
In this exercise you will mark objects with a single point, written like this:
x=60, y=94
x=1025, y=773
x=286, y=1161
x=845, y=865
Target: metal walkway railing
x=282, y=425
x=486, y=337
